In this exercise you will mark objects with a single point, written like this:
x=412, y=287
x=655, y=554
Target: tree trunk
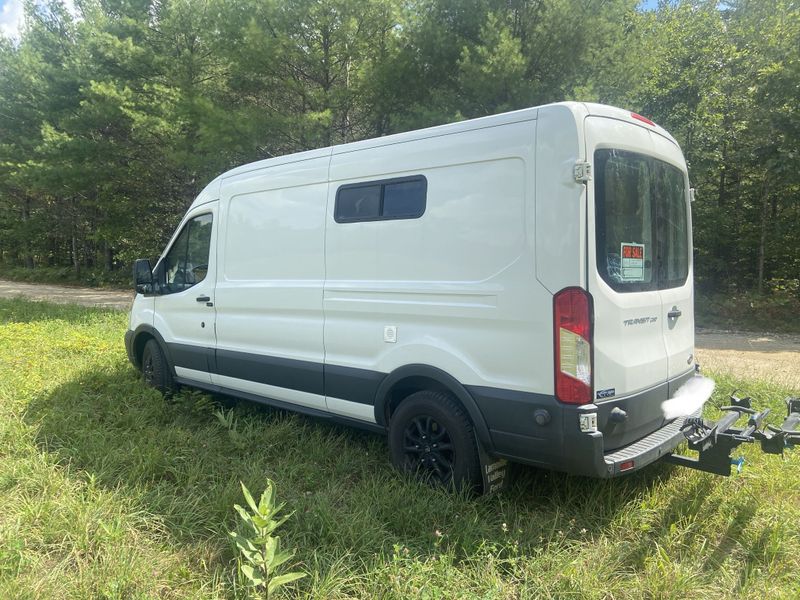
x=27, y=256
x=76, y=263
x=109, y=256
x=763, y=239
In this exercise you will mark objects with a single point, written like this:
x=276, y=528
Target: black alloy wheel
x=429, y=450
x=431, y=436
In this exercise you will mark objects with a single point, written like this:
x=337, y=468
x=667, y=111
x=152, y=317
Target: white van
x=512, y=287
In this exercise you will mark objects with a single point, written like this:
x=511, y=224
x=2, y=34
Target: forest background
x=115, y=113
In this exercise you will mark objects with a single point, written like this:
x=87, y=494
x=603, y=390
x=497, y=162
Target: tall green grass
x=108, y=491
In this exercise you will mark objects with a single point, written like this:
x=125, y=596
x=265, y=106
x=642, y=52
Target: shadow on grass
x=176, y=461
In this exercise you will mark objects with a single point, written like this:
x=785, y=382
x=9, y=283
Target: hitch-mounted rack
x=714, y=441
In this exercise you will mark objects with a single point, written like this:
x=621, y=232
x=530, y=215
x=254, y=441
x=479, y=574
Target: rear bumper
x=557, y=442
x=646, y=450
x=583, y=453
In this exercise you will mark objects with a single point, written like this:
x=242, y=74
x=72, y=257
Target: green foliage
x=774, y=312
x=260, y=555
x=115, y=114
x=110, y=492
x=227, y=419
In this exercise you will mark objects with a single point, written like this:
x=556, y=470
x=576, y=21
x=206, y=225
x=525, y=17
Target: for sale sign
x=632, y=267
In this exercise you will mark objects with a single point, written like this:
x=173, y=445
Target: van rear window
x=642, y=226
x=402, y=198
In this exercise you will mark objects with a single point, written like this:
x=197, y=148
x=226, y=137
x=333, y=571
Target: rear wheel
x=431, y=436
x=155, y=369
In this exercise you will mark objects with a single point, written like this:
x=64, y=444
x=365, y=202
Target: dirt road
x=119, y=299
x=774, y=357
x=762, y=355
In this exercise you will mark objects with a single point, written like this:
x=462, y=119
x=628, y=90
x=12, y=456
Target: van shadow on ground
x=177, y=461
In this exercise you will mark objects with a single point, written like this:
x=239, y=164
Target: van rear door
x=639, y=271
x=676, y=271
x=629, y=351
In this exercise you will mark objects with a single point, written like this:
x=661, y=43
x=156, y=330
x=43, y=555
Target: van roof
x=612, y=112
x=525, y=114
x=579, y=109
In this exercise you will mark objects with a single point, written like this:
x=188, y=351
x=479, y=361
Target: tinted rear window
x=642, y=230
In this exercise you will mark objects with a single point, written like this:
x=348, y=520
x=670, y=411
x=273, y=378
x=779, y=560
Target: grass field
x=107, y=491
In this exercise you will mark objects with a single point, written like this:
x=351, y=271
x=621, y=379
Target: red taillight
x=642, y=119
x=572, y=339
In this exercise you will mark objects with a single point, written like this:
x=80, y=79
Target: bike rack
x=715, y=440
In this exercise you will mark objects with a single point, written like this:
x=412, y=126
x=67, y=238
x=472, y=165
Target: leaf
x=253, y=574
x=280, y=558
x=260, y=521
x=280, y=580
x=242, y=512
x=267, y=500
x=270, y=548
x=244, y=545
x=247, y=496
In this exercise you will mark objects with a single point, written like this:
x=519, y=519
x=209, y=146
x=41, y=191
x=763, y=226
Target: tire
x=419, y=430
x=155, y=369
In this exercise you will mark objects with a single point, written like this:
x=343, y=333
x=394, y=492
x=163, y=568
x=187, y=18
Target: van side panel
x=459, y=275
x=560, y=201
x=269, y=285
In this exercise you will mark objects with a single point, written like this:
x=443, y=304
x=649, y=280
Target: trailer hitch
x=715, y=441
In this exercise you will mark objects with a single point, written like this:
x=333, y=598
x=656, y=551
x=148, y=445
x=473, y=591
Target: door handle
x=674, y=313
x=203, y=298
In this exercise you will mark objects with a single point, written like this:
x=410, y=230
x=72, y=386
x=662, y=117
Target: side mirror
x=143, y=276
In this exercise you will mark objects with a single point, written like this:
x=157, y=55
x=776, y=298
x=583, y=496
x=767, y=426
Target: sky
x=10, y=17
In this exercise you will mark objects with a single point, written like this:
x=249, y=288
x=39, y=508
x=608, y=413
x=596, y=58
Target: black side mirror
x=143, y=276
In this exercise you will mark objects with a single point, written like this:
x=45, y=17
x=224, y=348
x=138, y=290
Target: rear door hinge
x=582, y=171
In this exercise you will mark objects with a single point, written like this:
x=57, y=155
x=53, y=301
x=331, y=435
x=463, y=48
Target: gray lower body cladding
x=508, y=415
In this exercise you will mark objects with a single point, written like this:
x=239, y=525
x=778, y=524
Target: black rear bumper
x=538, y=430
x=646, y=450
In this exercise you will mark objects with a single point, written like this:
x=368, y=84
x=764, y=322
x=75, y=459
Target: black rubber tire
x=439, y=413
x=156, y=370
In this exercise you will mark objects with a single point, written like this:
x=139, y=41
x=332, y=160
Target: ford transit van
x=516, y=287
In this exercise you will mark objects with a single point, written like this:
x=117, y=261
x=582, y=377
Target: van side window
x=402, y=198
x=186, y=263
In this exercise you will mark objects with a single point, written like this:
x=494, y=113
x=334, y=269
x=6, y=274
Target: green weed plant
x=260, y=554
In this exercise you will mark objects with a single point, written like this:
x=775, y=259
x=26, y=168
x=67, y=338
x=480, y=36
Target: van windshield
x=642, y=228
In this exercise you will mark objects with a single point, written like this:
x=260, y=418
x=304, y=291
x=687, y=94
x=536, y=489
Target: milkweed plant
x=260, y=556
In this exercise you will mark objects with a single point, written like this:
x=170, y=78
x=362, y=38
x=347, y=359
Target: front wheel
x=155, y=369
x=431, y=436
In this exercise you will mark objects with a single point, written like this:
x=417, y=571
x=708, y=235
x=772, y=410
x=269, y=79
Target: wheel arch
x=141, y=336
x=402, y=382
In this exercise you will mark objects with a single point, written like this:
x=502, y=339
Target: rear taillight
x=572, y=339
